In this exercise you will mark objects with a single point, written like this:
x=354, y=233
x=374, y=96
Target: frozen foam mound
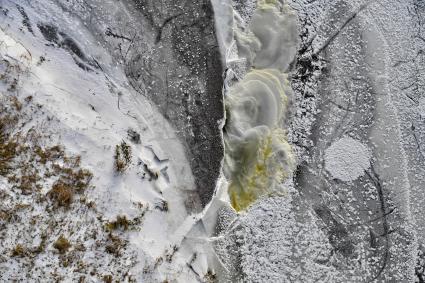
x=257, y=154
x=271, y=38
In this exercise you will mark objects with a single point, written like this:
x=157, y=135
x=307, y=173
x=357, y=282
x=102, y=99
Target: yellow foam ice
x=264, y=4
x=258, y=156
x=258, y=177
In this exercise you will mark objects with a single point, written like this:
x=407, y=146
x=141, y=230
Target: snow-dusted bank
x=72, y=71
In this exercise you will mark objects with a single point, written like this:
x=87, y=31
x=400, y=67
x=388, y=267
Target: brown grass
x=72, y=180
x=107, y=278
x=114, y=245
x=19, y=251
x=8, y=143
x=62, y=244
x=120, y=223
x=22, y=157
x=28, y=182
x=49, y=154
x=16, y=103
x=210, y=277
x=122, y=157
x=62, y=194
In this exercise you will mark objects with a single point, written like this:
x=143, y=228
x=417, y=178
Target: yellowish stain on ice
x=258, y=155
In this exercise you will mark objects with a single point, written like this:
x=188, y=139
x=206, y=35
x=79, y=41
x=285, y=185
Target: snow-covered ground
x=87, y=105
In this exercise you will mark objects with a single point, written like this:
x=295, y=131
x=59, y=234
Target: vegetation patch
x=44, y=193
x=19, y=251
x=62, y=244
x=114, y=245
x=62, y=194
x=120, y=223
x=210, y=277
x=23, y=159
x=122, y=156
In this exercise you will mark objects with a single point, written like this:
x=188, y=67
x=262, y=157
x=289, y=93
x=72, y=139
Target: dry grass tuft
x=19, y=251
x=62, y=194
x=62, y=244
x=122, y=157
x=107, y=278
x=8, y=143
x=71, y=181
x=114, y=245
x=121, y=223
x=210, y=277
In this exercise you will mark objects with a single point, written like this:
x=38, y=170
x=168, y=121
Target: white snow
x=81, y=112
x=347, y=159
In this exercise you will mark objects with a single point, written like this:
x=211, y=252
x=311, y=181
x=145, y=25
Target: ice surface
x=355, y=131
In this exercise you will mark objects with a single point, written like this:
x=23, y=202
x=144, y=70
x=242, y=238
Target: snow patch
x=347, y=159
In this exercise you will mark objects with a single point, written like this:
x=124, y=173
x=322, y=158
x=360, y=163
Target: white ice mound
x=347, y=159
x=260, y=99
x=271, y=38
